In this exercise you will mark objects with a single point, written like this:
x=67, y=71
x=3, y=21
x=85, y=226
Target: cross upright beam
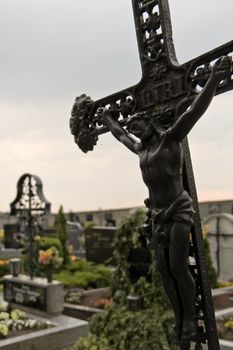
x=165, y=90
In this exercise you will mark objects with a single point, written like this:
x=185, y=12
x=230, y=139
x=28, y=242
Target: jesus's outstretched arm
x=118, y=132
x=220, y=71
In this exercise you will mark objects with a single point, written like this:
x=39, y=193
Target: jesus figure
x=161, y=161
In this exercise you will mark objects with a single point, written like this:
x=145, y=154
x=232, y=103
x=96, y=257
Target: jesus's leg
x=170, y=286
x=178, y=257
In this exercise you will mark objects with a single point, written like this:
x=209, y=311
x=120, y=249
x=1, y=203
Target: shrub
x=142, y=330
x=211, y=270
x=63, y=235
x=80, y=265
x=121, y=329
x=84, y=274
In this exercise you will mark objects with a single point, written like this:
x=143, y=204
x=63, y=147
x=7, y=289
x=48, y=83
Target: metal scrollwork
x=84, y=134
x=30, y=206
x=86, y=121
x=202, y=73
x=151, y=28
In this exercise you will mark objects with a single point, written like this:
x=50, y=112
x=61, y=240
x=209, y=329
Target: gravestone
x=12, y=236
x=219, y=229
x=28, y=292
x=99, y=244
x=35, y=295
x=75, y=231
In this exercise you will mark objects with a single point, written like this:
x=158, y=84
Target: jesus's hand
x=222, y=68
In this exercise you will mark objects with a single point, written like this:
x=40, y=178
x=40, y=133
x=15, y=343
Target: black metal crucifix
x=31, y=206
x=165, y=91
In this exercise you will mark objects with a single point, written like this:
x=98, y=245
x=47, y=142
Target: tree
x=63, y=235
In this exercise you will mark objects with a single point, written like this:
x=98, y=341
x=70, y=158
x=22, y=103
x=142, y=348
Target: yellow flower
x=50, y=252
x=229, y=323
x=205, y=230
x=17, y=314
x=70, y=248
x=4, y=330
x=50, y=256
x=4, y=315
x=37, y=238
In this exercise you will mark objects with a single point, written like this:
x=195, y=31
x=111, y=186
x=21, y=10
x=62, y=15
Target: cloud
x=52, y=51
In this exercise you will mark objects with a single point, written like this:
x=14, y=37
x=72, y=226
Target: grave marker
x=36, y=295
x=99, y=244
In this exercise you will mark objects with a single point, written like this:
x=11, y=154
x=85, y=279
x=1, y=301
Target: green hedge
x=84, y=274
x=121, y=329
x=118, y=328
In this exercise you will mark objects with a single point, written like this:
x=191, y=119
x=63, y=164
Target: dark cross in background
x=166, y=90
x=30, y=206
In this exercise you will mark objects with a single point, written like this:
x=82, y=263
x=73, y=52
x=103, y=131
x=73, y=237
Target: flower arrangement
x=4, y=330
x=229, y=323
x=17, y=320
x=50, y=257
x=4, y=262
x=4, y=267
x=73, y=258
x=104, y=303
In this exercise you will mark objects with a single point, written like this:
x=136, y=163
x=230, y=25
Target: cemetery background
x=97, y=251
x=223, y=297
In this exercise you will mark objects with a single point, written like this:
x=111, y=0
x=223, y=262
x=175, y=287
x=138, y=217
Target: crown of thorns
x=137, y=116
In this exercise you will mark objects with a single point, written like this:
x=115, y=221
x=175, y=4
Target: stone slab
x=80, y=311
x=36, y=294
x=226, y=344
x=65, y=333
x=10, y=253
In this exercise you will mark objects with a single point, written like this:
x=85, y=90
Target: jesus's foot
x=177, y=331
x=189, y=331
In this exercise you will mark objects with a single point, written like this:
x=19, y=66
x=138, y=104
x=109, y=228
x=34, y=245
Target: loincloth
x=181, y=210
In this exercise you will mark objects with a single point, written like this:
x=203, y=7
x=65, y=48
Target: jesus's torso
x=161, y=168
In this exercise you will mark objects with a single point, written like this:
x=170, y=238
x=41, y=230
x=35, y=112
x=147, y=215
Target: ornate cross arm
x=199, y=69
x=165, y=97
x=166, y=89
x=86, y=123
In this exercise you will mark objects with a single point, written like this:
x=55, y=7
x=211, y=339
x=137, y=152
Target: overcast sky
x=54, y=50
